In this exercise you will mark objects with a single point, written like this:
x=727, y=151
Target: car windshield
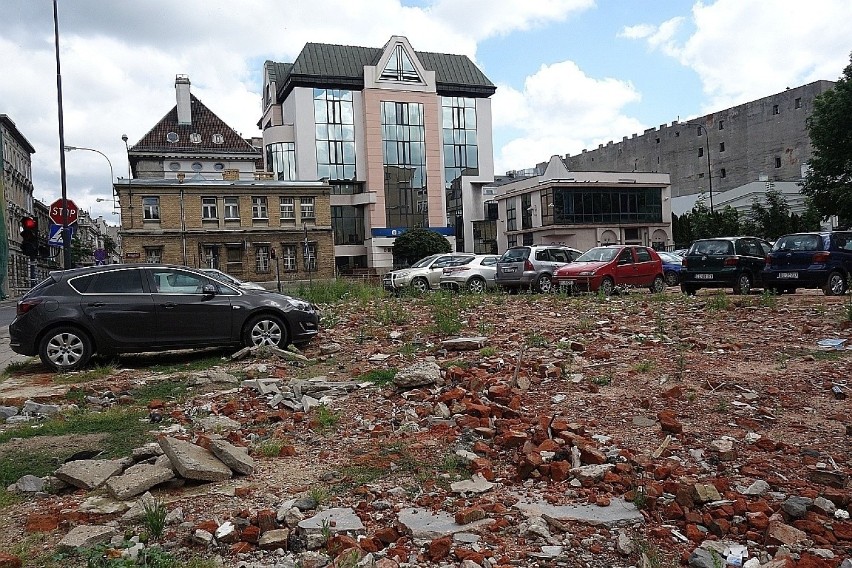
x=669, y=257
x=424, y=261
x=712, y=247
x=798, y=242
x=222, y=277
x=598, y=254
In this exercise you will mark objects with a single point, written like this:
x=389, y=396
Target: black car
x=724, y=262
x=810, y=260
x=133, y=308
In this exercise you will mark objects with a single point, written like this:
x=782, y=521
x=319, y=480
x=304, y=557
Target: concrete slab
x=424, y=524
x=618, y=513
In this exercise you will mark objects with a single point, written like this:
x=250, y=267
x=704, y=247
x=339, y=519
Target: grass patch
x=332, y=291
x=718, y=302
x=154, y=518
x=643, y=366
x=446, y=309
x=536, y=340
x=98, y=372
x=16, y=464
x=325, y=418
x=270, y=448
x=123, y=428
x=174, y=388
x=603, y=380
x=379, y=377
x=392, y=312
x=200, y=364
x=488, y=351
x=15, y=366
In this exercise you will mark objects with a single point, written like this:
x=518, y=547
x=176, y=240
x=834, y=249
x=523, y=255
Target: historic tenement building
x=198, y=198
x=762, y=141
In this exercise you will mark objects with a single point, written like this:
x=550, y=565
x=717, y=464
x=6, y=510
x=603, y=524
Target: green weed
x=270, y=448
x=319, y=494
x=174, y=388
x=445, y=310
x=769, y=299
x=643, y=366
x=535, y=339
x=488, y=351
x=154, y=517
x=379, y=377
x=98, y=372
x=603, y=380
x=719, y=302
x=332, y=291
x=485, y=329
x=408, y=349
x=200, y=364
x=326, y=418
x=16, y=366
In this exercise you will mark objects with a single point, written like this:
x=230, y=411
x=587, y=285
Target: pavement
x=7, y=356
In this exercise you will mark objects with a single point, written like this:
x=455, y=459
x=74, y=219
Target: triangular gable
x=556, y=169
x=400, y=68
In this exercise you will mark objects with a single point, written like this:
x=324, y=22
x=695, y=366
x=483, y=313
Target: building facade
x=584, y=209
x=403, y=138
x=763, y=141
x=198, y=199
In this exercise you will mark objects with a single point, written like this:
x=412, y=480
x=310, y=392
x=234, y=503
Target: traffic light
x=29, y=236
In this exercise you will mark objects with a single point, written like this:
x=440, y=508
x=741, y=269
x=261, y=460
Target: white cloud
x=742, y=50
x=639, y=31
x=560, y=111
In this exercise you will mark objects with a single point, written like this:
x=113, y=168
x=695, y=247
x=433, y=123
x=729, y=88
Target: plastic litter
x=831, y=343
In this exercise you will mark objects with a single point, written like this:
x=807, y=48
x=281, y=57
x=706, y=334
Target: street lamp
x=124, y=139
x=111, y=173
x=707, y=150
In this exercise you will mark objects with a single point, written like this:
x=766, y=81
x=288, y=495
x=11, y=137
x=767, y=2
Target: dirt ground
x=675, y=391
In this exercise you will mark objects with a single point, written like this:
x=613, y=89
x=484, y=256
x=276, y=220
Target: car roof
x=71, y=272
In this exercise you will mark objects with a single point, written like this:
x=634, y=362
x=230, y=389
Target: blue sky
x=571, y=74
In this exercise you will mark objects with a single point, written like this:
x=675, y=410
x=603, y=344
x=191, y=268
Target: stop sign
x=55, y=212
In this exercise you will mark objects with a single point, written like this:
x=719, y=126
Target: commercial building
x=403, y=138
x=198, y=198
x=754, y=144
x=583, y=209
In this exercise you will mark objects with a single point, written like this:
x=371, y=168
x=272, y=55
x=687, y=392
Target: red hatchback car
x=604, y=268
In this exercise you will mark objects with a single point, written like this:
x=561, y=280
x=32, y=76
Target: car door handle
x=169, y=305
x=235, y=307
x=97, y=304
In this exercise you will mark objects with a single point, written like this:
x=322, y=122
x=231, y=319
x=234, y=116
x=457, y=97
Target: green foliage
x=174, y=388
x=535, y=339
x=379, y=377
x=81, y=250
x=488, y=351
x=15, y=366
x=719, y=302
x=154, y=517
x=418, y=243
x=828, y=181
x=331, y=291
x=326, y=418
x=643, y=366
x=446, y=312
x=270, y=448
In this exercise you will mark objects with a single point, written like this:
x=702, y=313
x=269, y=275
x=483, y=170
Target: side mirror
x=209, y=290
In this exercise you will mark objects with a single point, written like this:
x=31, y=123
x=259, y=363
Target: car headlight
x=587, y=273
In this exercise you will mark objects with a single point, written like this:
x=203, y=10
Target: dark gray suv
x=532, y=266
x=133, y=308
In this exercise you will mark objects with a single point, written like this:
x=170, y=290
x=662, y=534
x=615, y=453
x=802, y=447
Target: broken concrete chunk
x=419, y=374
x=338, y=520
x=88, y=474
x=232, y=456
x=137, y=480
x=705, y=493
x=464, y=343
x=476, y=484
x=194, y=462
x=218, y=424
x=85, y=536
x=424, y=524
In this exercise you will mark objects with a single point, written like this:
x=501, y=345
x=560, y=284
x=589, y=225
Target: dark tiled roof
x=322, y=64
x=277, y=71
x=205, y=123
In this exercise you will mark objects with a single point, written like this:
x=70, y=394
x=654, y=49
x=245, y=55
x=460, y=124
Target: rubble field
x=645, y=430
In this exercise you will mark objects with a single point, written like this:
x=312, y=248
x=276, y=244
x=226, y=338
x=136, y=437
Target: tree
x=829, y=179
x=80, y=250
x=771, y=218
x=415, y=244
x=109, y=244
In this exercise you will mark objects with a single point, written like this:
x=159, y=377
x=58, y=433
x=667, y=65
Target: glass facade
x=281, y=160
x=334, y=120
x=461, y=155
x=348, y=224
x=404, y=160
x=583, y=206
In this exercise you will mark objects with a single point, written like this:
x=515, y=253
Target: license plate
x=509, y=269
x=788, y=275
x=704, y=277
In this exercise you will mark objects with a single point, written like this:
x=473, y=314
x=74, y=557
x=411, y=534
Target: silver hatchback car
x=532, y=266
x=423, y=275
x=476, y=275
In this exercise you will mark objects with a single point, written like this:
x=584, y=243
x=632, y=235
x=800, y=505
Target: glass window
x=306, y=208
x=151, y=208
x=288, y=209
x=232, y=208
x=626, y=257
x=208, y=208
x=259, y=208
x=281, y=160
x=400, y=68
x=558, y=255
x=117, y=282
x=288, y=257
x=234, y=256
x=642, y=255
x=404, y=162
x=348, y=225
x=310, y=257
x=334, y=119
x=261, y=258
x=153, y=255
x=170, y=281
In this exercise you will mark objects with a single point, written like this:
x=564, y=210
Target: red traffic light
x=29, y=224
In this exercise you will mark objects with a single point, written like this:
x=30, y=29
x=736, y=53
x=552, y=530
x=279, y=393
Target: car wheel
x=607, y=286
x=544, y=284
x=743, y=285
x=65, y=349
x=688, y=290
x=672, y=278
x=265, y=330
x=420, y=285
x=476, y=285
x=658, y=285
x=835, y=285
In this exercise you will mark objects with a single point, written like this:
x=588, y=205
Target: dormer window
x=218, y=139
x=195, y=138
x=399, y=68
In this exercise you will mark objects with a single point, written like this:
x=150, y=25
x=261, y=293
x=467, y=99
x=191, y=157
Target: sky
x=570, y=74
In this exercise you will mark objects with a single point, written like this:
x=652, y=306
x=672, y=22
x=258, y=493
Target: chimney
x=184, y=112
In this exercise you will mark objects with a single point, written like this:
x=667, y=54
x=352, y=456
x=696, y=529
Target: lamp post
x=111, y=173
x=706, y=149
x=124, y=139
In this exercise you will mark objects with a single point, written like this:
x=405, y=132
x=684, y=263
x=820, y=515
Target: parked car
x=672, y=264
x=724, y=262
x=475, y=275
x=607, y=267
x=228, y=279
x=532, y=266
x=131, y=308
x=810, y=260
x=423, y=275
